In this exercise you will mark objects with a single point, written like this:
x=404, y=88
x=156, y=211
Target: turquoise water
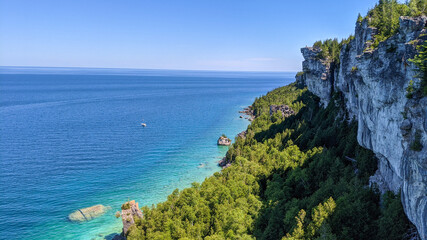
x=72, y=138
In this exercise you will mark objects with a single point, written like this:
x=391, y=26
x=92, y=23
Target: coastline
x=121, y=160
x=211, y=164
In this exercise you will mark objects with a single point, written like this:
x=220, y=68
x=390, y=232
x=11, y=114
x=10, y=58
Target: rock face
x=130, y=212
x=224, y=141
x=318, y=74
x=300, y=79
x=87, y=214
x=285, y=109
x=373, y=84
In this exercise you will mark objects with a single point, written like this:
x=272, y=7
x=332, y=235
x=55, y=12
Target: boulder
x=224, y=141
x=87, y=214
x=285, y=109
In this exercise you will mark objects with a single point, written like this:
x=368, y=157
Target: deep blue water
x=72, y=138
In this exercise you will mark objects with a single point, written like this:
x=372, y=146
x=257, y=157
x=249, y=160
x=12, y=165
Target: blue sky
x=246, y=35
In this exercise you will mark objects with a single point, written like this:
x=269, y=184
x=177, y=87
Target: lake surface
x=72, y=138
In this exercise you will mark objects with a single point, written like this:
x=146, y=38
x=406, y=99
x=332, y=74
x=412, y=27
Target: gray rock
x=406, y=125
x=318, y=74
x=300, y=79
x=87, y=214
x=130, y=212
x=285, y=109
x=375, y=95
x=224, y=141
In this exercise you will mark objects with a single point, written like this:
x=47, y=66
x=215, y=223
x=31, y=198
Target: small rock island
x=224, y=141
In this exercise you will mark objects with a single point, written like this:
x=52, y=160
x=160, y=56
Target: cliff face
x=318, y=74
x=373, y=84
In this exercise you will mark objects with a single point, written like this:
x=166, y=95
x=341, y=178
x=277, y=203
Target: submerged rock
x=87, y=214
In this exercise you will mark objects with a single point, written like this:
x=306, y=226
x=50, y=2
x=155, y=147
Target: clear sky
x=248, y=35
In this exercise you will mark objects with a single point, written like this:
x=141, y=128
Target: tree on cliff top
x=385, y=16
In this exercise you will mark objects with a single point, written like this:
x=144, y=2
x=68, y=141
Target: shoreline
x=112, y=232
x=145, y=170
x=247, y=111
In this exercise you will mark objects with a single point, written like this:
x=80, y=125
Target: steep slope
x=315, y=173
x=373, y=83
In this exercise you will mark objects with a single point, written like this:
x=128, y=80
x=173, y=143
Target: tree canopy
x=290, y=178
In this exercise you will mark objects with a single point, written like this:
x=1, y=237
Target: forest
x=384, y=17
x=297, y=177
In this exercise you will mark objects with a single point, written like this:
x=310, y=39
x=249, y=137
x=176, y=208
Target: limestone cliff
x=318, y=74
x=373, y=84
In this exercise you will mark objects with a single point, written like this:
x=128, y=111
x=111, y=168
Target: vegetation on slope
x=300, y=177
x=331, y=48
x=385, y=16
x=420, y=60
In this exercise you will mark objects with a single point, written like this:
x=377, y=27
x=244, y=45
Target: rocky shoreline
x=248, y=112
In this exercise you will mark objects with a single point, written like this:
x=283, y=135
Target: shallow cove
x=72, y=138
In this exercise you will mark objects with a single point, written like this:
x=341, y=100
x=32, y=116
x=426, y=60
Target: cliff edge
x=373, y=83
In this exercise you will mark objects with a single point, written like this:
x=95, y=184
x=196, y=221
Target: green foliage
x=126, y=206
x=299, y=74
x=330, y=49
x=420, y=60
x=359, y=18
x=319, y=216
x=410, y=89
x=392, y=224
x=416, y=144
x=385, y=16
x=278, y=96
x=282, y=166
x=353, y=69
x=417, y=7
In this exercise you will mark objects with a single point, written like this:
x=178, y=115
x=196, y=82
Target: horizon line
x=156, y=69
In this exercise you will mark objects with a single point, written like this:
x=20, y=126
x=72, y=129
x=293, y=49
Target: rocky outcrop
x=318, y=74
x=249, y=112
x=224, y=141
x=284, y=109
x=87, y=214
x=300, y=79
x=130, y=213
x=242, y=134
x=224, y=163
x=373, y=84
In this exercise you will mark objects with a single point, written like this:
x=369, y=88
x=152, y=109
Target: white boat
x=143, y=124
